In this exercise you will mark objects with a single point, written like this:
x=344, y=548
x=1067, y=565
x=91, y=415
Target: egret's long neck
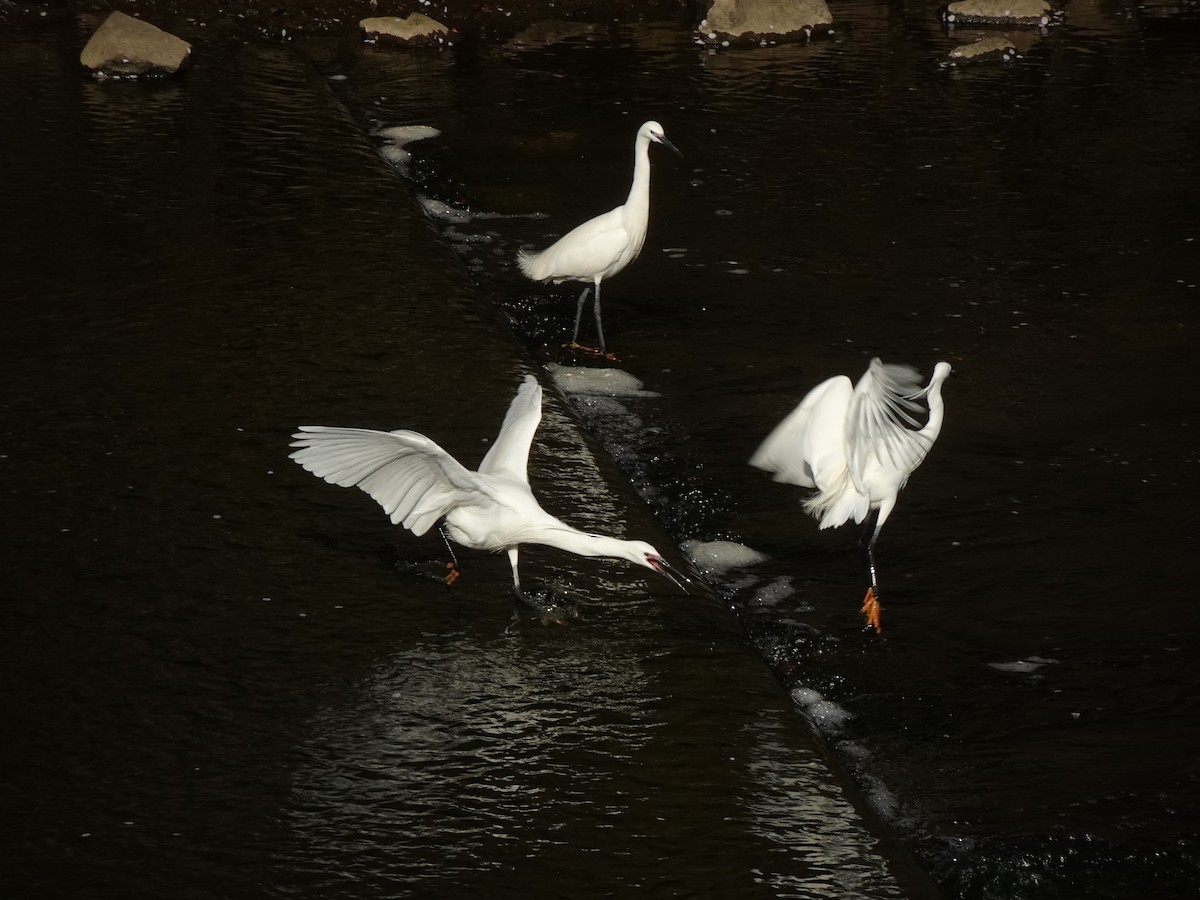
x=639, y=191
x=937, y=408
x=582, y=543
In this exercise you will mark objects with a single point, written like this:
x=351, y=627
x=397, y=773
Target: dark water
x=221, y=687
x=217, y=681
x=1028, y=720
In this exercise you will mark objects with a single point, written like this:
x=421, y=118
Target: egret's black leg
x=872, y=608
x=867, y=537
x=513, y=553
x=871, y=567
x=452, y=566
x=518, y=594
x=578, y=314
x=599, y=324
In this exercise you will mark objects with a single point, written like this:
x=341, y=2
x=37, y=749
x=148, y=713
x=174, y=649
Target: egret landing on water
x=417, y=483
x=605, y=245
x=857, y=446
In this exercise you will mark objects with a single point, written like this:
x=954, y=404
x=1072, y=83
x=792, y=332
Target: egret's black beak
x=662, y=567
x=666, y=143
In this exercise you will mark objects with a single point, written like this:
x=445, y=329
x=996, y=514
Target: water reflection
x=454, y=755
x=812, y=829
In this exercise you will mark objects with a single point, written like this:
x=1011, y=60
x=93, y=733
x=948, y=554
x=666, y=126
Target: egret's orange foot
x=872, y=609
x=595, y=351
x=452, y=574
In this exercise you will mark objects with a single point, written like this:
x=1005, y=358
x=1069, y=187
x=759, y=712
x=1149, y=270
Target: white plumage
x=418, y=483
x=602, y=246
x=857, y=445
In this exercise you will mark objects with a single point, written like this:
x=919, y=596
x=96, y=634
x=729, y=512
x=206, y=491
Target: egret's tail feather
x=832, y=511
x=837, y=502
x=531, y=264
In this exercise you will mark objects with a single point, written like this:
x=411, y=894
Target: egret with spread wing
x=605, y=245
x=418, y=483
x=857, y=445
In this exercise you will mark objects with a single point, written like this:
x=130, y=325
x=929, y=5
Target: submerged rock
x=1000, y=44
x=1000, y=12
x=414, y=30
x=125, y=47
x=729, y=21
x=983, y=45
x=555, y=31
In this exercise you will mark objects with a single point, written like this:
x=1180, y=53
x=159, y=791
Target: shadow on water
x=1026, y=720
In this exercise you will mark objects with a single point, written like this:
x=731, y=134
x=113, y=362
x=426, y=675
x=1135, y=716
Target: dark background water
x=217, y=680
x=199, y=266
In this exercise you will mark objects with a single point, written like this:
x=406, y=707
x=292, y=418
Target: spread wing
x=509, y=454
x=881, y=421
x=807, y=448
x=412, y=478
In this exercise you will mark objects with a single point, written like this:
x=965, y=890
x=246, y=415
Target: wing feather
x=411, y=477
x=588, y=249
x=881, y=420
x=806, y=447
x=509, y=454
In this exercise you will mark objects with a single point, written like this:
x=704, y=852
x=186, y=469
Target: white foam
x=597, y=382
x=443, y=212
x=1023, y=666
x=397, y=156
x=453, y=215
x=718, y=557
x=774, y=592
x=880, y=798
x=827, y=716
x=399, y=135
x=460, y=237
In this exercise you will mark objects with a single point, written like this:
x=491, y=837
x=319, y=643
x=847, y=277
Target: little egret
x=417, y=483
x=605, y=245
x=857, y=445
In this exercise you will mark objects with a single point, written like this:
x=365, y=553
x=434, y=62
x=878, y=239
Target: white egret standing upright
x=417, y=483
x=857, y=446
x=605, y=245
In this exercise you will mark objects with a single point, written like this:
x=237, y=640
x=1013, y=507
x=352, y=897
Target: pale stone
x=125, y=47
x=415, y=28
x=742, y=18
x=1025, y=12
